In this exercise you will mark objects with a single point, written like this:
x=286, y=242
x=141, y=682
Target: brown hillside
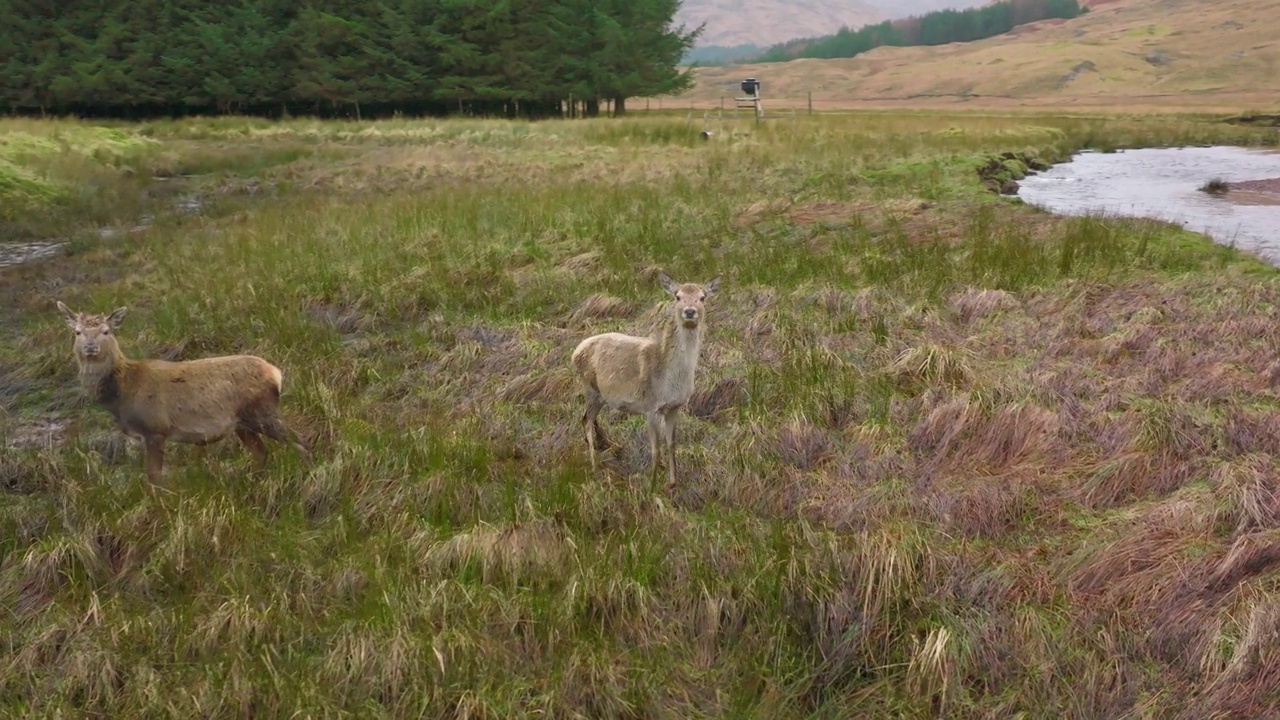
x=1204, y=53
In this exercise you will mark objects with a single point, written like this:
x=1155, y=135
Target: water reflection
x=1163, y=183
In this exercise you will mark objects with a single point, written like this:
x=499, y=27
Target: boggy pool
x=1163, y=183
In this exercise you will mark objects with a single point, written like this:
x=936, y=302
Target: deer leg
x=262, y=417
x=670, y=428
x=273, y=427
x=654, y=424
x=253, y=442
x=591, y=424
x=154, y=445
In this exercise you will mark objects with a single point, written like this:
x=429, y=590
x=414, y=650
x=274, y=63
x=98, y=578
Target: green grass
x=949, y=456
x=48, y=169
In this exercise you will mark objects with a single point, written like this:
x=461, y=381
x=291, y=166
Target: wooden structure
x=751, y=98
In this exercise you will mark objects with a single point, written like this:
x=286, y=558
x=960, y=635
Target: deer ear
x=712, y=286
x=67, y=315
x=667, y=283
x=117, y=317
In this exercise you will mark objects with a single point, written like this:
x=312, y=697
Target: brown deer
x=195, y=401
x=650, y=376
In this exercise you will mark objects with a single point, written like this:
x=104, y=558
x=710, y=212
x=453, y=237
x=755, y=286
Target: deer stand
x=751, y=100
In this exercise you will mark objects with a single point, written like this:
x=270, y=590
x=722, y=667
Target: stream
x=1163, y=184
x=16, y=253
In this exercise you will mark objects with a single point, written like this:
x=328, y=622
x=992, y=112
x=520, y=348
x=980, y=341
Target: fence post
x=810, y=102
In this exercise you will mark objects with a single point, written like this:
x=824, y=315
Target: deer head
x=689, y=299
x=95, y=336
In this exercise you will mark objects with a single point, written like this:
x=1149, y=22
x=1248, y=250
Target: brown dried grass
x=802, y=445
x=709, y=403
x=600, y=306
x=538, y=387
x=976, y=304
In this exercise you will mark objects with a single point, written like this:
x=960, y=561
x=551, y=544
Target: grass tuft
x=1216, y=186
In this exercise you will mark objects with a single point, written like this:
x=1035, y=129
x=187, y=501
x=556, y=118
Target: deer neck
x=680, y=347
x=100, y=377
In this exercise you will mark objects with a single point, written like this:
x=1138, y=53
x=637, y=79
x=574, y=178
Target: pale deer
x=650, y=376
x=194, y=401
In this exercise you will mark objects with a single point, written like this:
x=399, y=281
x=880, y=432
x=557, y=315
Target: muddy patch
x=36, y=434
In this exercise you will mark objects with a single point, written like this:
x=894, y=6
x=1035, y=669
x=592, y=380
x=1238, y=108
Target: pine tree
x=527, y=57
x=642, y=51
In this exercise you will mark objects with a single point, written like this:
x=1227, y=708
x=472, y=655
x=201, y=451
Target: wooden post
x=810, y=102
x=722, y=103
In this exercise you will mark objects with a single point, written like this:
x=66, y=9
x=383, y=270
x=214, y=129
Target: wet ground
x=1164, y=183
x=12, y=253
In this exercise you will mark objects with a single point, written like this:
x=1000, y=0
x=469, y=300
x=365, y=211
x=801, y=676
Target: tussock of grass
x=1216, y=186
x=933, y=364
x=946, y=455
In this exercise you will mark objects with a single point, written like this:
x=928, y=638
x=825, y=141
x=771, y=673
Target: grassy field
x=949, y=456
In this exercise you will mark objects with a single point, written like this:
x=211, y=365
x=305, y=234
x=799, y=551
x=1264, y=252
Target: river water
x=1163, y=183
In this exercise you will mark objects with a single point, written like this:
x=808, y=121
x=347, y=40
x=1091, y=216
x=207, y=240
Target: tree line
x=530, y=58
x=936, y=28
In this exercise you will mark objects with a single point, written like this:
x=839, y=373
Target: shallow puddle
x=14, y=253
x=1163, y=183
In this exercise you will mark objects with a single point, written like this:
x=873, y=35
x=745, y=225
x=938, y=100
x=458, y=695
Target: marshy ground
x=949, y=456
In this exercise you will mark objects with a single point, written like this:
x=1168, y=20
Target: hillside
x=907, y=8
x=1219, y=53
x=765, y=22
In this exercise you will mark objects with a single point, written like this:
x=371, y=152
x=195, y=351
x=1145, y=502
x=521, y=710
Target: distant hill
x=735, y=23
x=1124, y=53
x=706, y=55
x=905, y=8
x=765, y=22
x=932, y=28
